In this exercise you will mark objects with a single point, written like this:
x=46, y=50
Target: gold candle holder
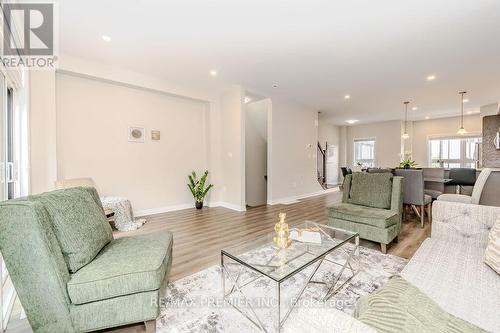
x=282, y=238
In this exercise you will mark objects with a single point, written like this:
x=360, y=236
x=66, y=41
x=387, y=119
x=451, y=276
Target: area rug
x=195, y=304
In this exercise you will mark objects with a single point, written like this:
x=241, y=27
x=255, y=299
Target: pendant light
x=461, y=130
x=405, y=134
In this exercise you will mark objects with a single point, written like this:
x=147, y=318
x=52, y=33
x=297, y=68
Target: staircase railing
x=321, y=164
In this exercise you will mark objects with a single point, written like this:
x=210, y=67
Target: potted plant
x=197, y=188
x=407, y=164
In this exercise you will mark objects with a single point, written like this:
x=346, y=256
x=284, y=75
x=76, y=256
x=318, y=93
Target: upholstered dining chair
x=462, y=177
x=476, y=192
x=345, y=171
x=434, y=189
x=413, y=192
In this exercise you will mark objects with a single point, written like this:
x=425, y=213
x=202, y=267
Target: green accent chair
x=69, y=272
x=372, y=205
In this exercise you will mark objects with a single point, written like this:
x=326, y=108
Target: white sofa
x=449, y=267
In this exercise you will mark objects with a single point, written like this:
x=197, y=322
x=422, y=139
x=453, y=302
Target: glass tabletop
x=264, y=256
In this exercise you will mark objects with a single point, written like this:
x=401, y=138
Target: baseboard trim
x=166, y=209
x=302, y=196
x=159, y=210
x=227, y=205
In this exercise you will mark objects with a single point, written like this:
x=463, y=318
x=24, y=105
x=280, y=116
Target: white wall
x=92, y=123
x=42, y=120
x=293, y=137
x=293, y=140
x=387, y=145
x=424, y=129
x=233, y=147
x=256, y=152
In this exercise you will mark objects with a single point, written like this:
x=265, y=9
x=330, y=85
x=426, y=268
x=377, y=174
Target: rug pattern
x=195, y=304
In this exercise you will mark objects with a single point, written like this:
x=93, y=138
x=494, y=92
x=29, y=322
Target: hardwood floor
x=200, y=235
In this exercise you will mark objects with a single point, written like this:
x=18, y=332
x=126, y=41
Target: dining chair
x=434, y=189
x=345, y=171
x=413, y=193
x=462, y=177
x=476, y=192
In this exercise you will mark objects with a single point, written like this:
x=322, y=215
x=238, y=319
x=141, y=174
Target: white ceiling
x=379, y=52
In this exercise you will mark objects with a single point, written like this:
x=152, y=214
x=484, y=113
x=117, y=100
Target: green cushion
x=365, y=231
x=400, y=307
x=79, y=224
x=371, y=189
x=125, y=266
x=114, y=312
x=380, y=218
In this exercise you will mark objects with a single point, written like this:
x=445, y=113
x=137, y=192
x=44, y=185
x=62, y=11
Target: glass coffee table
x=260, y=262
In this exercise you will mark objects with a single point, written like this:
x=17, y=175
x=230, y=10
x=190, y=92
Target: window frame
x=374, y=159
x=463, y=160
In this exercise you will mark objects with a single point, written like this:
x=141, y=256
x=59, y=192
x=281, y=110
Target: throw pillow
x=79, y=224
x=492, y=254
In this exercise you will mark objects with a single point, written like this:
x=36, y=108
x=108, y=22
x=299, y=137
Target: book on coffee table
x=305, y=236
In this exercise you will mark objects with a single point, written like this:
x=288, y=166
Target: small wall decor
x=155, y=135
x=136, y=134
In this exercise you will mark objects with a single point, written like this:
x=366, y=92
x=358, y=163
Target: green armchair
x=69, y=272
x=372, y=205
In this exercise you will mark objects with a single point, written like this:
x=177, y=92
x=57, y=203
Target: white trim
x=159, y=210
x=450, y=137
x=173, y=208
x=354, y=140
x=453, y=135
x=227, y=205
x=302, y=196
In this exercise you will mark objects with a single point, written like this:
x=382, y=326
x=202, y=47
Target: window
x=454, y=152
x=364, y=152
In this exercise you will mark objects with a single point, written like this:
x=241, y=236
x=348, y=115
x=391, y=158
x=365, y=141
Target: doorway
x=256, y=142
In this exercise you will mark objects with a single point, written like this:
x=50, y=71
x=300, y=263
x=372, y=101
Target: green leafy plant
x=407, y=163
x=197, y=186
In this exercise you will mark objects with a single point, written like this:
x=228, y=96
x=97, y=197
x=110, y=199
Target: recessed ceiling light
x=431, y=77
x=247, y=99
x=466, y=100
x=352, y=121
x=213, y=73
x=347, y=97
x=415, y=108
x=275, y=85
x=427, y=117
x=106, y=38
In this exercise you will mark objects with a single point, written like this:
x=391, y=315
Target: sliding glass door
x=3, y=142
x=8, y=185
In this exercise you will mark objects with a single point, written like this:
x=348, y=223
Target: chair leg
x=422, y=215
x=429, y=212
x=383, y=248
x=150, y=326
x=416, y=210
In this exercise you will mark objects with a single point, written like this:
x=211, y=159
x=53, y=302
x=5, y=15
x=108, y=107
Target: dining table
x=437, y=180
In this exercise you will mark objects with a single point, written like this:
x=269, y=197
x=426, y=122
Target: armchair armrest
x=459, y=222
x=346, y=188
x=397, y=194
x=455, y=198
